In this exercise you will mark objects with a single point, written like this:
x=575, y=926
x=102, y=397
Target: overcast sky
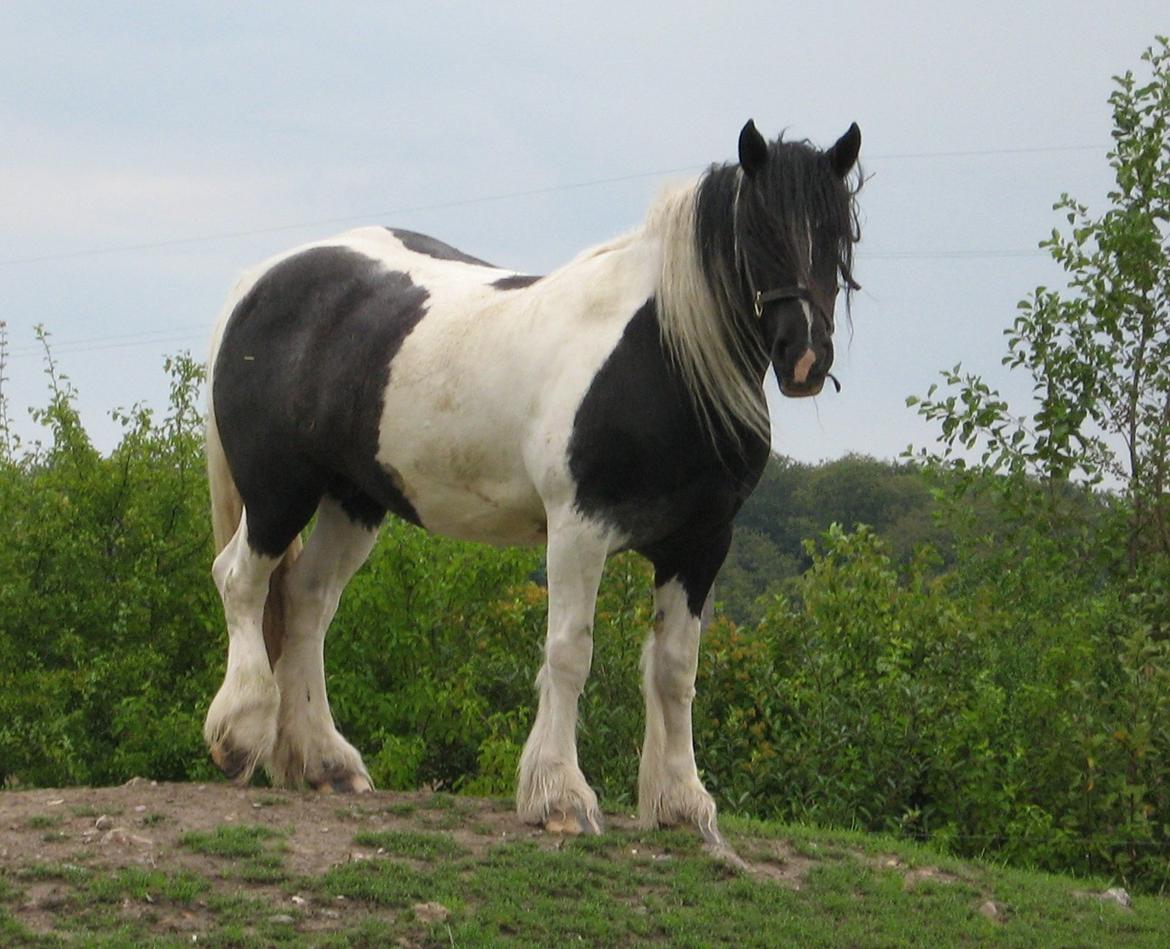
x=153, y=150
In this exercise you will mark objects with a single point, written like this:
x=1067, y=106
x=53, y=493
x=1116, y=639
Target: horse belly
x=481, y=512
x=470, y=488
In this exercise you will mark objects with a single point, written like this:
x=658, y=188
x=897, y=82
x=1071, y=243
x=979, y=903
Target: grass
x=816, y=888
x=231, y=840
x=408, y=843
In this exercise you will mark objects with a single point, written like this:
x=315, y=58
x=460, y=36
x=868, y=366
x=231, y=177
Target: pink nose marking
x=803, y=365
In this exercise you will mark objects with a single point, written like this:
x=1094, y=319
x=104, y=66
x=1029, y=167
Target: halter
x=794, y=292
x=780, y=293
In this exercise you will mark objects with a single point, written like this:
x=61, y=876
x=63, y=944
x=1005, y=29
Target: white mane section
x=698, y=332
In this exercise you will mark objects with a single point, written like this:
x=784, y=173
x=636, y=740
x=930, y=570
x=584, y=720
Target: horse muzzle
x=807, y=375
x=801, y=391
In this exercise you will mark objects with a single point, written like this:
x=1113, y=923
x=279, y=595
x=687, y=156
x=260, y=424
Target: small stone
x=993, y=911
x=139, y=808
x=431, y=912
x=299, y=900
x=283, y=918
x=121, y=837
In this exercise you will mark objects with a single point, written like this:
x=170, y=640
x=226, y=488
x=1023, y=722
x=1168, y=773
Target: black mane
x=762, y=220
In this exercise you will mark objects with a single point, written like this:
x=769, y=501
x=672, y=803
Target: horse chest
x=638, y=456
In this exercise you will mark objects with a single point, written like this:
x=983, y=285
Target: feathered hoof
x=342, y=782
x=678, y=804
x=558, y=798
x=577, y=823
x=240, y=730
x=320, y=759
x=236, y=764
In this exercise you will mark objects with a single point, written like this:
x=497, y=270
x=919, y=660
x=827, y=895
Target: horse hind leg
x=240, y=728
x=551, y=790
x=309, y=749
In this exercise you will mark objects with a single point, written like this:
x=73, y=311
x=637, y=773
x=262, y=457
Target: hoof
x=346, y=783
x=722, y=852
x=579, y=822
x=327, y=763
x=236, y=764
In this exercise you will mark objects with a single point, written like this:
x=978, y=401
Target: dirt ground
x=140, y=823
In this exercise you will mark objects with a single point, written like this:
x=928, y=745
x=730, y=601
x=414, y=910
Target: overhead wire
x=168, y=334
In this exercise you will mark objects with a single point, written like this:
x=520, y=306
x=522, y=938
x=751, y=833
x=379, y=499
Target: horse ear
x=843, y=154
x=753, y=150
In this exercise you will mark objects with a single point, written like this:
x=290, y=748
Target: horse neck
x=717, y=351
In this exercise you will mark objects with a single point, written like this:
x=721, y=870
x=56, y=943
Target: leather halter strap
x=794, y=292
x=780, y=293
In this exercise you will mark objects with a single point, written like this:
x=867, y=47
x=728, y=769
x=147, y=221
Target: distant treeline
x=796, y=502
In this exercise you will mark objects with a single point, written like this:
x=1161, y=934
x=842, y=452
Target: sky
x=152, y=151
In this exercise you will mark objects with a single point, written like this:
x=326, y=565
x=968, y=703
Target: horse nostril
x=801, y=370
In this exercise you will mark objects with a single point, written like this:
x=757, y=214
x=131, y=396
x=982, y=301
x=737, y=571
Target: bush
x=109, y=625
x=1025, y=716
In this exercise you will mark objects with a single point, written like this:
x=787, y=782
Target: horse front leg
x=669, y=789
x=551, y=790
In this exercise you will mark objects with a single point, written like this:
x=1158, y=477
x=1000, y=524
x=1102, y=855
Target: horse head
x=795, y=226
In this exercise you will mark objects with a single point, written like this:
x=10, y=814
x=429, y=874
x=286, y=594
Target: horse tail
x=227, y=508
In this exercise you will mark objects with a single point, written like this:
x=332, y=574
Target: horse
x=614, y=404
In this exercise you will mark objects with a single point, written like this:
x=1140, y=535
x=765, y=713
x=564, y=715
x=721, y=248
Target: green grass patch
x=406, y=843
x=36, y=872
x=43, y=821
x=265, y=868
x=388, y=883
x=145, y=885
x=231, y=840
x=441, y=801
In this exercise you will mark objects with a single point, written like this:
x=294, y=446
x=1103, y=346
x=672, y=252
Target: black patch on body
x=298, y=390
x=643, y=462
x=422, y=244
x=515, y=281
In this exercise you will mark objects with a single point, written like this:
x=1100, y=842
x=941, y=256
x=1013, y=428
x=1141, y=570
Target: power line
x=190, y=333
x=94, y=344
x=486, y=199
x=323, y=222
x=948, y=254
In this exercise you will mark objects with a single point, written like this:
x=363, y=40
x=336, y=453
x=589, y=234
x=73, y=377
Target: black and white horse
x=614, y=404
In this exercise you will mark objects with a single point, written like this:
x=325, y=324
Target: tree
x=1098, y=352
